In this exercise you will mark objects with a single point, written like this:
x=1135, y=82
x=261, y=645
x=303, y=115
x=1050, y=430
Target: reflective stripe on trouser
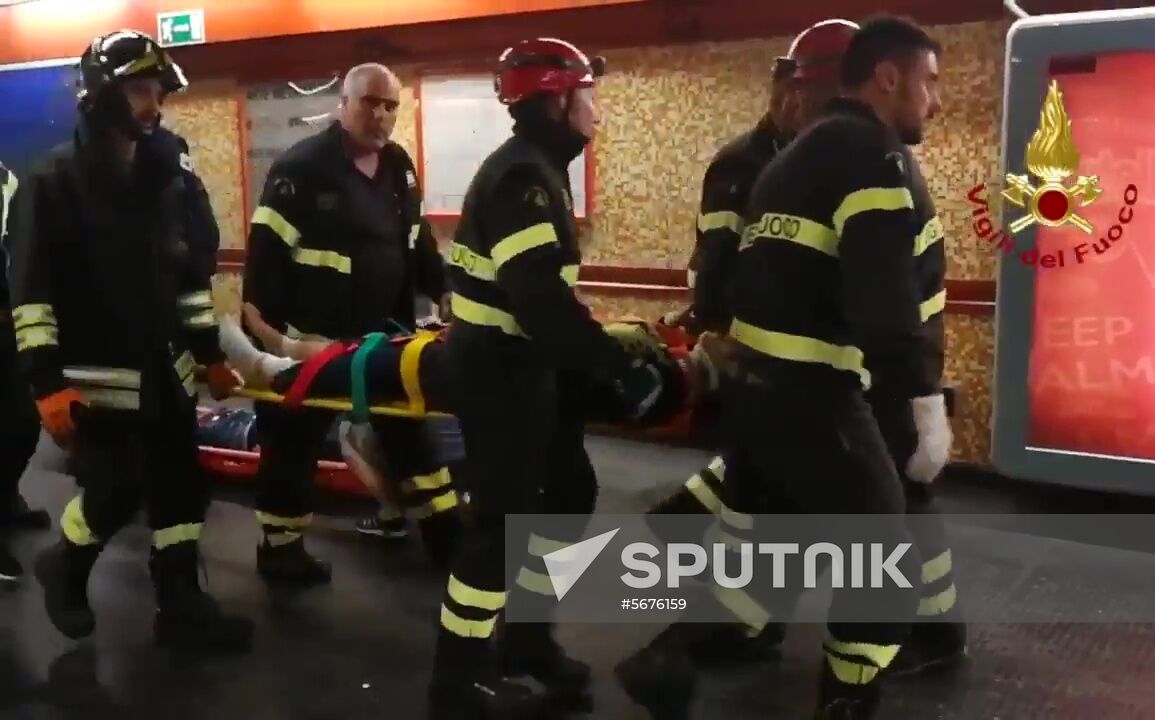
x=858, y=663
x=75, y=526
x=470, y=612
x=534, y=575
x=429, y=495
x=938, y=595
x=176, y=534
x=35, y=325
x=280, y=530
x=731, y=531
x=706, y=486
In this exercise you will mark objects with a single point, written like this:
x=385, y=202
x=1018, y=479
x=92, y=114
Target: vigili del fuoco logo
x=1047, y=197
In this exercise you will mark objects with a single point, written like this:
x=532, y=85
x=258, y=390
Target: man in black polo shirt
x=338, y=249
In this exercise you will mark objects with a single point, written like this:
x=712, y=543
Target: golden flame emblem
x=1052, y=157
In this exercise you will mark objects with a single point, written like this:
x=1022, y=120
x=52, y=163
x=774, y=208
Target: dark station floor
x=361, y=649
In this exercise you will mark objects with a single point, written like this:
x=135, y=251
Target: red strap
x=298, y=391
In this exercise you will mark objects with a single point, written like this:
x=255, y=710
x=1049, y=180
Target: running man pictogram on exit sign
x=181, y=27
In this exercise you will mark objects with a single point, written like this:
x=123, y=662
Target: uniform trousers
x=523, y=428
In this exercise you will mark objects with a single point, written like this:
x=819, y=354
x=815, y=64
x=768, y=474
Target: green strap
x=357, y=377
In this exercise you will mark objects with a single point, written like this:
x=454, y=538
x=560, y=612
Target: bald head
x=370, y=95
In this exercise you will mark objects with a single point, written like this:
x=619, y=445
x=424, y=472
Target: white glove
x=934, y=438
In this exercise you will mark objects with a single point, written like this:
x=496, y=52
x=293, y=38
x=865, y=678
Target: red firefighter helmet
x=816, y=52
x=544, y=65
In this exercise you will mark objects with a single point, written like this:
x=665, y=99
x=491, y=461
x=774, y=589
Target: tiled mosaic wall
x=665, y=111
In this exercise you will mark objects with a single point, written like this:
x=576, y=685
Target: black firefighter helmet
x=114, y=58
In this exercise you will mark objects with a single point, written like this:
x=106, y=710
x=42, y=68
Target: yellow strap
x=339, y=405
x=111, y=377
x=410, y=366
x=472, y=263
x=722, y=219
x=202, y=320
x=868, y=200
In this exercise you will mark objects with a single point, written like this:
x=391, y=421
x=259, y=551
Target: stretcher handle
x=339, y=405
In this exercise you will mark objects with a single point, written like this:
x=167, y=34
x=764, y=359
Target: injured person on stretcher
x=407, y=374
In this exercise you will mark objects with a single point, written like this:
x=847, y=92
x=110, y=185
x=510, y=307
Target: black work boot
x=842, y=701
x=931, y=646
x=494, y=698
x=661, y=676
x=187, y=617
x=529, y=650
x=291, y=565
x=63, y=571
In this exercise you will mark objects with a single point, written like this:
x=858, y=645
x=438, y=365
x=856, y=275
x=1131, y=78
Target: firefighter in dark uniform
x=339, y=249
x=519, y=338
x=827, y=278
x=802, y=82
x=21, y=425
x=919, y=439
x=112, y=308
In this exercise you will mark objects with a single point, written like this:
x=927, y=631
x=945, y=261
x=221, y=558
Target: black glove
x=639, y=388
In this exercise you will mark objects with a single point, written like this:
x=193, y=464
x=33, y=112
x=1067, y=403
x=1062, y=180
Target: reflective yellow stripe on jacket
x=870, y=200
x=291, y=236
x=485, y=269
x=801, y=349
x=720, y=220
x=791, y=228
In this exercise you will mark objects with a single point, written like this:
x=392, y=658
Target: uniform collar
x=335, y=139
x=853, y=106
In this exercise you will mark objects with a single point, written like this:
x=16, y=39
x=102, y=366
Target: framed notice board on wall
x=460, y=122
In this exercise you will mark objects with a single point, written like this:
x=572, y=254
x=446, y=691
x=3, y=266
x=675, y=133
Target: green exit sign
x=182, y=27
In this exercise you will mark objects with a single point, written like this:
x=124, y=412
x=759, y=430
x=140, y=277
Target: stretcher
x=405, y=376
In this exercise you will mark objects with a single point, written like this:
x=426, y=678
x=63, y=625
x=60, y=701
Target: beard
x=911, y=134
